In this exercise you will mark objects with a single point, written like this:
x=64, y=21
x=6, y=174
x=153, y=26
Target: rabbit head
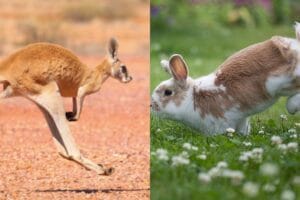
x=171, y=97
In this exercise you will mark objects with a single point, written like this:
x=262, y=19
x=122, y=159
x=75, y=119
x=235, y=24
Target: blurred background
x=83, y=26
x=207, y=32
x=201, y=13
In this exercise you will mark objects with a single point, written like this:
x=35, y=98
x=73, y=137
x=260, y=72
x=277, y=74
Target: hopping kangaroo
x=248, y=82
x=44, y=73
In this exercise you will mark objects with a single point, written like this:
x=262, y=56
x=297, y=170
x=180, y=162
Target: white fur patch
x=293, y=104
x=165, y=65
x=208, y=83
x=297, y=29
x=275, y=84
x=295, y=46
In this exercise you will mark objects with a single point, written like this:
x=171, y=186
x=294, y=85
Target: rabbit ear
x=178, y=68
x=165, y=65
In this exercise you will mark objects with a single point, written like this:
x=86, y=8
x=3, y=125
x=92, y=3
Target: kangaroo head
x=118, y=70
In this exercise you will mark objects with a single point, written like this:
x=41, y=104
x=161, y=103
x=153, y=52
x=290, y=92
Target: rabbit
x=44, y=73
x=248, y=82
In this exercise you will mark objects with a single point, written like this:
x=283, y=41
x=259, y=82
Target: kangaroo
x=44, y=73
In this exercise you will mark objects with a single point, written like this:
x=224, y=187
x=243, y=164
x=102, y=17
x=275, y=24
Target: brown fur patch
x=244, y=74
x=212, y=102
x=179, y=93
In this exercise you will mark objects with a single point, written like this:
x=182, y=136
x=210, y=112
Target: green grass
x=204, y=49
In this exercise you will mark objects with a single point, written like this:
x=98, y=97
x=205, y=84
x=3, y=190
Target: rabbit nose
x=154, y=106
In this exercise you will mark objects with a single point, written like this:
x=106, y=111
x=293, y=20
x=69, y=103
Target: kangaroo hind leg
x=51, y=104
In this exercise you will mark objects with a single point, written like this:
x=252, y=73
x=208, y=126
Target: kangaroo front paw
x=71, y=116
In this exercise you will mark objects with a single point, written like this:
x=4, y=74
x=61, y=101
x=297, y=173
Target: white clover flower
x=180, y=160
x=221, y=170
x=187, y=146
x=230, y=130
x=194, y=148
x=250, y=189
x=204, y=177
x=257, y=150
x=292, y=146
x=283, y=117
x=247, y=144
x=230, y=134
x=235, y=175
x=212, y=145
x=296, y=180
x=269, y=187
x=202, y=157
x=275, y=139
x=288, y=195
x=297, y=124
x=255, y=155
x=294, y=135
x=261, y=132
x=282, y=147
x=184, y=154
x=214, y=172
x=161, y=151
x=158, y=130
x=245, y=156
x=162, y=154
x=292, y=131
x=269, y=169
x=222, y=164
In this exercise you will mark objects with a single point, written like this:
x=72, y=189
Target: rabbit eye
x=168, y=92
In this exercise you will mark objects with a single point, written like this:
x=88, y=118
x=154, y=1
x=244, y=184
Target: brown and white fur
x=44, y=73
x=248, y=82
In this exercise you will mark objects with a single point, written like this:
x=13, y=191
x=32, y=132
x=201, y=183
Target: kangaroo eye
x=168, y=92
x=123, y=69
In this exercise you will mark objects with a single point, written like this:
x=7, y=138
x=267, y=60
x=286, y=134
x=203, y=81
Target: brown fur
x=38, y=64
x=244, y=75
x=212, y=102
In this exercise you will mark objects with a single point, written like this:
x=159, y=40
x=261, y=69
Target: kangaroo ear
x=113, y=48
x=178, y=68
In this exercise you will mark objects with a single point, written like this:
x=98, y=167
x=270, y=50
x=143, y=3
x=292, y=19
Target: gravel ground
x=113, y=130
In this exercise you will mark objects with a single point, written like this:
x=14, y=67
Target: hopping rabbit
x=248, y=82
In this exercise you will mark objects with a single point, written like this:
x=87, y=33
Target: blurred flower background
x=201, y=13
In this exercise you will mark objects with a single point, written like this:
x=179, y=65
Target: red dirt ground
x=113, y=130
